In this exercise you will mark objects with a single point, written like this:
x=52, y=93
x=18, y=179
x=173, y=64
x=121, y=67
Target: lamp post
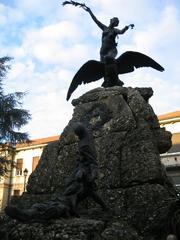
x=25, y=177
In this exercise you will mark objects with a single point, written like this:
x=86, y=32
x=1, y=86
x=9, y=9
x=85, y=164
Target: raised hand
x=86, y=8
x=131, y=26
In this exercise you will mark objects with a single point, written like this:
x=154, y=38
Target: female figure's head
x=114, y=22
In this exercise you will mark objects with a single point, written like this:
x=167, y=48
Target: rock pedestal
x=132, y=181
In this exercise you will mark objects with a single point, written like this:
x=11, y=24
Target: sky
x=49, y=43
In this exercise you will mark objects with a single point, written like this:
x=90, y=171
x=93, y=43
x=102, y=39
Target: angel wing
x=89, y=72
x=130, y=60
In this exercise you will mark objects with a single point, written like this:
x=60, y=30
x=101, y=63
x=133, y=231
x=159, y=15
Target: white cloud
x=57, y=41
x=37, y=8
x=127, y=10
x=2, y=16
x=46, y=98
x=161, y=34
x=9, y=15
x=166, y=97
x=54, y=53
x=50, y=115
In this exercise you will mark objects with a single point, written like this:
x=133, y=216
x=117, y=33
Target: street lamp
x=25, y=177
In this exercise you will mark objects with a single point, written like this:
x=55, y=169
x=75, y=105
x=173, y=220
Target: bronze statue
x=80, y=185
x=109, y=69
x=86, y=171
x=109, y=35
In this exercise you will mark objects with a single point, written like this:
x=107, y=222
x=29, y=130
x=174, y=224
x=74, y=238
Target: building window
x=19, y=166
x=176, y=180
x=35, y=162
x=16, y=192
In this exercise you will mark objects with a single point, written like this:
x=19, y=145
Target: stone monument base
x=142, y=200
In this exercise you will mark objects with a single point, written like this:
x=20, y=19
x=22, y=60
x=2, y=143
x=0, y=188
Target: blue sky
x=49, y=43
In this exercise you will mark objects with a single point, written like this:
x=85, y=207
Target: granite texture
x=132, y=181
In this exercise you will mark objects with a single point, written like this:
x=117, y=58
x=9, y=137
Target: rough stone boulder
x=132, y=180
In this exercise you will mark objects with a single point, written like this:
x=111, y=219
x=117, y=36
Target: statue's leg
x=98, y=200
x=105, y=84
x=119, y=83
x=20, y=214
x=73, y=205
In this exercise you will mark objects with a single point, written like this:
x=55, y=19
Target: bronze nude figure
x=109, y=34
x=109, y=67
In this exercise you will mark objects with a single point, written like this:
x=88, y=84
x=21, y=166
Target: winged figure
x=109, y=69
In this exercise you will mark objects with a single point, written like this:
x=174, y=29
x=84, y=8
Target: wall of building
x=172, y=127
x=5, y=181
x=14, y=183
x=171, y=159
x=27, y=155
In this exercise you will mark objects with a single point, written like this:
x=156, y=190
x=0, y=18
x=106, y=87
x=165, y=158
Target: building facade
x=171, y=159
x=25, y=158
x=7, y=152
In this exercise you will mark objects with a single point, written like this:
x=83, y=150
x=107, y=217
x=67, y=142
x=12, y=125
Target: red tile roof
x=169, y=116
x=38, y=141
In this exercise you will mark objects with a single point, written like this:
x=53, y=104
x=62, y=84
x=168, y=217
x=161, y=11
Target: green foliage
x=4, y=163
x=12, y=116
x=3, y=70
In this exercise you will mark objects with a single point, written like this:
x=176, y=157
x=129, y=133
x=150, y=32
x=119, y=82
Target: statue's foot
x=105, y=84
x=16, y=213
x=120, y=83
x=116, y=82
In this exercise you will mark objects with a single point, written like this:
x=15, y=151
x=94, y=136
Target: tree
x=12, y=116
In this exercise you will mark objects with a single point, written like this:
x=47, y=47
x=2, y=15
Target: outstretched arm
x=124, y=29
x=100, y=25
